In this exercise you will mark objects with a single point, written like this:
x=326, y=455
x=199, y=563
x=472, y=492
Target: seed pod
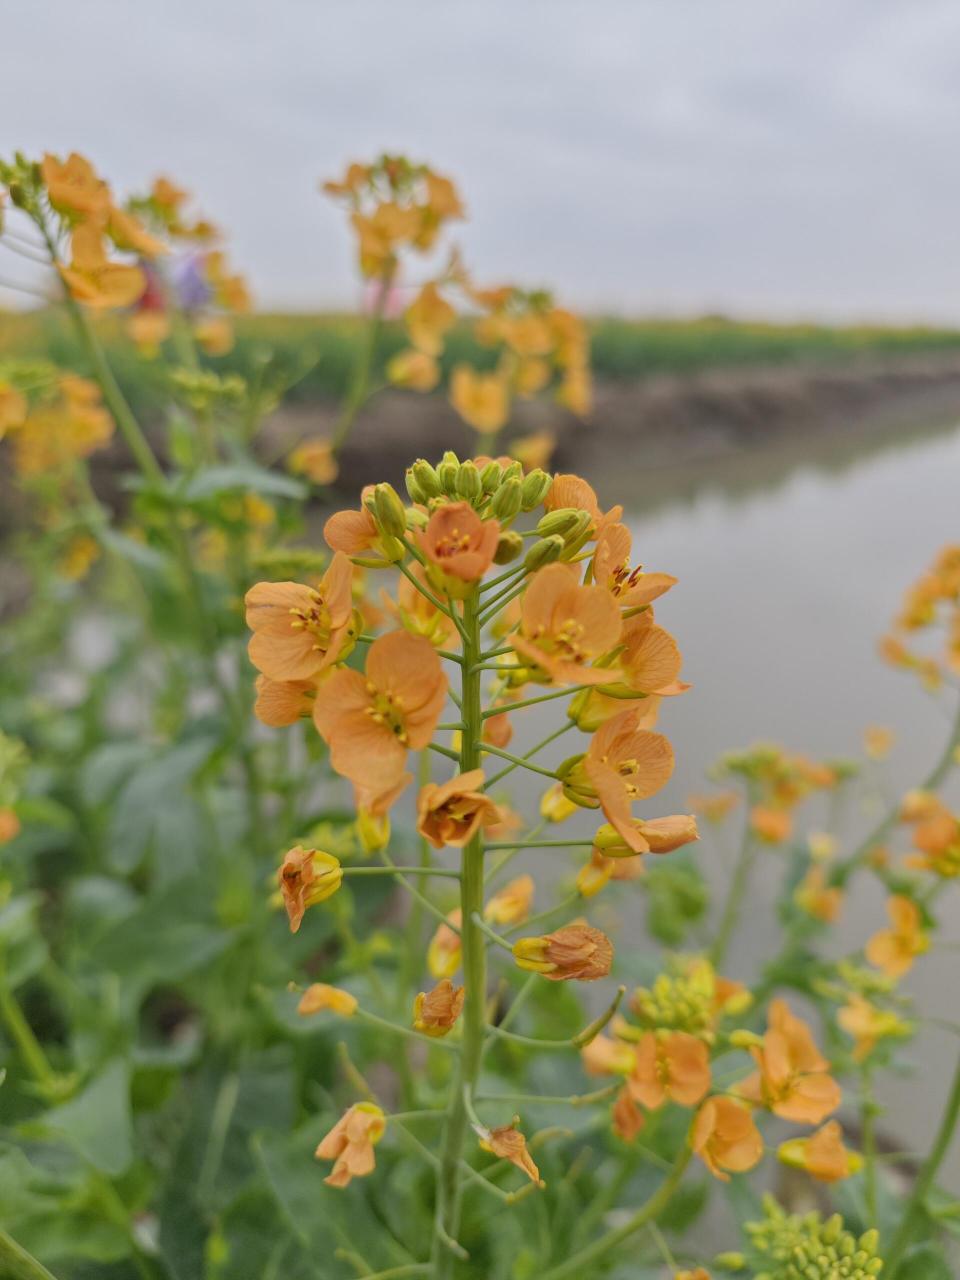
x=536, y=486
x=505, y=503
x=389, y=511
x=508, y=548
x=469, y=485
x=427, y=479
x=544, y=551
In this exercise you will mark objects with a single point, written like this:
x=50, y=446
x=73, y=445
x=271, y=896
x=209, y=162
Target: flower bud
x=554, y=805
x=373, y=830
x=509, y=547
x=743, y=1039
x=512, y=472
x=427, y=479
x=730, y=1262
x=320, y=996
x=576, y=785
x=544, y=551
x=561, y=521
x=491, y=476
x=389, y=512
x=415, y=492
x=505, y=503
x=447, y=475
x=468, y=484
x=536, y=486
x=307, y=876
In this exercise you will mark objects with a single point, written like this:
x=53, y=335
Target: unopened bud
x=544, y=551
x=509, y=547
x=447, y=475
x=536, y=486
x=505, y=503
x=562, y=521
x=373, y=830
x=389, y=511
x=491, y=476
x=730, y=1262
x=469, y=485
x=513, y=471
x=427, y=479
x=414, y=491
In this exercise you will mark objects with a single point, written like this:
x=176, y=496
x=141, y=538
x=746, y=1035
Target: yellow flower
x=80, y=554
x=554, y=805
x=428, y=319
x=214, y=335
x=13, y=408
x=818, y=899
x=878, y=741
x=894, y=950
x=319, y=997
x=92, y=278
x=314, y=459
x=73, y=187
x=534, y=450
x=414, y=369
x=867, y=1025
x=443, y=953
x=350, y=1143
x=481, y=399
x=149, y=330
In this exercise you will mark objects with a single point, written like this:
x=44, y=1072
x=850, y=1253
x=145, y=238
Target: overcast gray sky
x=751, y=156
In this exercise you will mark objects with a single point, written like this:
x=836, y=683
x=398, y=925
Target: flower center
x=452, y=543
x=387, y=709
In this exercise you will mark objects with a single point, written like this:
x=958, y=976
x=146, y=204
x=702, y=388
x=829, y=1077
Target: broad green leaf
x=925, y=1262
x=97, y=1123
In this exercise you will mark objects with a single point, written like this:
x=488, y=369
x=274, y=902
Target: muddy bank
x=665, y=424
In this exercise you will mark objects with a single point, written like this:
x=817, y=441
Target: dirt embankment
x=666, y=422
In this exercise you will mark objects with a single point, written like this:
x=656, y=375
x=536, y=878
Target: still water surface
x=783, y=593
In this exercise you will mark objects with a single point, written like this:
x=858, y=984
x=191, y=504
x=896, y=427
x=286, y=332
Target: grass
x=621, y=349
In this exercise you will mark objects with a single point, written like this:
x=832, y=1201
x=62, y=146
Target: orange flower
x=877, y=741
x=355, y=533
x=714, y=805
x=936, y=835
x=9, y=824
x=623, y=764
x=416, y=613
x=452, y=812
x=371, y=721
x=314, y=459
x=576, y=951
x=128, y=233
x=725, y=1137
x=511, y=905
x=481, y=399
x=534, y=450
x=307, y=876
x=650, y=661
x=631, y=588
x=564, y=627
x=772, y=826
x=674, y=1067
x=350, y=1143
x=413, y=369
x=319, y=996
x=818, y=899
x=498, y=729
x=13, y=408
x=73, y=187
x=823, y=1154
x=509, y=1144
x=458, y=544
x=283, y=702
x=92, y=278
x=868, y=1025
x=443, y=953
x=627, y=1118
x=793, y=1080
x=573, y=491
x=660, y=835
x=894, y=950
x=428, y=318
x=298, y=631
x=435, y=1012
x=606, y=1057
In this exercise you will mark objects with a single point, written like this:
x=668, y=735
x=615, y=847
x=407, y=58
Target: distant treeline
x=319, y=350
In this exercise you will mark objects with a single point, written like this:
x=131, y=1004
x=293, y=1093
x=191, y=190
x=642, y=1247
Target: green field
x=325, y=346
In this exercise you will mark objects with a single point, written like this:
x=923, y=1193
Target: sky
x=750, y=157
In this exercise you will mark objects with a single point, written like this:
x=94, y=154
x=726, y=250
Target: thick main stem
x=17, y=1264
x=474, y=970
x=359, y=389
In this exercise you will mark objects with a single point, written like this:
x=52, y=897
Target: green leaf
x=97, y=1123
x=143, y=808
x=247, y=476
x=925, y=1262
x=141, y=556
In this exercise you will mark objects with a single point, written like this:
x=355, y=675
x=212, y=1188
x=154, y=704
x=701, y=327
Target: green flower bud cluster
x=203, y=389
x=804, y=1247
x=297, y=563
x=680, y=1001
x=492, y=490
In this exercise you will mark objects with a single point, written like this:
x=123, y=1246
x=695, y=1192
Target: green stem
x=736, y=893
x=30, y=1048
x=498, y=777
x=358, y=391
x=518, y=761
x=580, y=1263
x=17, y=1264
x=412, y=950
x=868, y=1113
x=567, y=692
x=541, y=844
x=449, y=1176
x=926, y=1177
x=393, y=870
x=409, y=1033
